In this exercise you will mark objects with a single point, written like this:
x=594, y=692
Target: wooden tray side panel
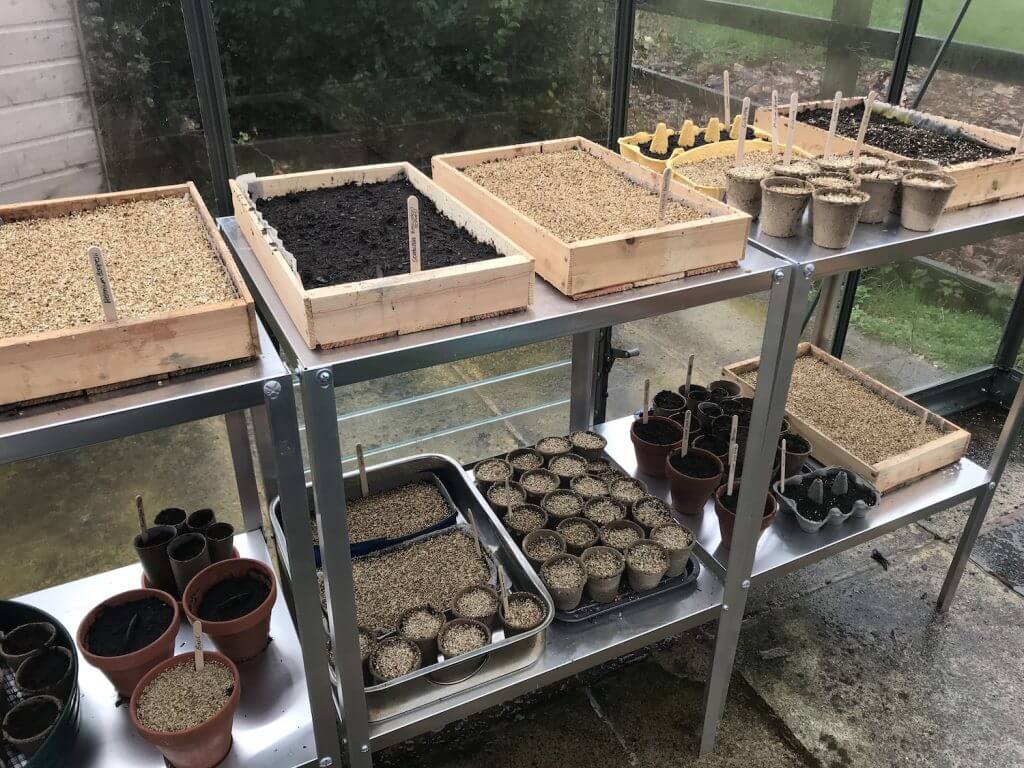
x=61, y=206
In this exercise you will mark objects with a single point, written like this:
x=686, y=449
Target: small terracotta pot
x=29, y=744
x=650, y=457
x=689, y=494
x=603, y=589
x=125, y=671
x=247, y=636
x=666, y=404
x=204, y=746
x=727, y=518
x=24, y=640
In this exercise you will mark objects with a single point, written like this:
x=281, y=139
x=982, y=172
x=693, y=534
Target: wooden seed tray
x=350, y=313
x=100, y=356
x=587, y=268
x=889, y=473
x=978, y=182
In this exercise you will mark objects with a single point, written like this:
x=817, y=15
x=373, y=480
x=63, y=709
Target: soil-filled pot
x=677, y=542
x=731, y=387
x=234, y=599
x=21, y=642
x=553, y=446
x=491, y=471
x=620, y=534
x=650, y=512
x=713, y=444
x=29, y=722
x=925, y=195
x=589, y=486
x=478, y=602
x=523, y=460
x=189, y=554
x=200, y=520
x=462, y=635
x=695, y=427
x=562, y=504
x=565, y=577
x=420, y=625
x=541, y=545
x=653, y=441
x=693, y=478
x=646, y=564
x=836, y=213
x=903, y=167
x=220, y=539
x=668, y=403
x=587, y=444
x=394, y=657
x=151, y=549
x=525, y=518
x=783, y=200
x=725, y=509
x=881, y=185
x=579, y=534
x=504, y=496
x=538, y=483
x=798, y=451
x=706, y=414
x=567, y=467
x=47, y=672
x=525, y=611
x=171, y=516
x=604, y=510
x=743, y=189
x=205, y=744
x=128, y=634
x=834, y=180
x=605, y=566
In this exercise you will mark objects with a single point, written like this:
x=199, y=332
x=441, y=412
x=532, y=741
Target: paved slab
x=1000, y=551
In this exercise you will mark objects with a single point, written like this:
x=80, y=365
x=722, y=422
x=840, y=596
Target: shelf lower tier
x=273, y=727
x=784, y=547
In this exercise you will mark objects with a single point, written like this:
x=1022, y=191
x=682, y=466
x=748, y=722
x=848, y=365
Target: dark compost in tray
x=343, y=234
x=673, y=143
x=903, y=138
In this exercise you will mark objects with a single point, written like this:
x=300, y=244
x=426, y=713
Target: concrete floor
x=861, y=672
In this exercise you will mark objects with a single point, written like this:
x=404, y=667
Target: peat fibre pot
x=743, y=189
x=16, y=723
x=604, y=589
x=882, y=185
x=727, y=518
x=204, y=746
x=189, y=554
x=836, y=213
x=783, y=200
x=24, y=640
x=200, y=520
x=925, y=195
x=247, y=636
x=690, y=492
x=650, y=457
x=38, y=674
x=125, y=671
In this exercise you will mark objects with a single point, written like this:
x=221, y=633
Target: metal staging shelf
x=784, y=547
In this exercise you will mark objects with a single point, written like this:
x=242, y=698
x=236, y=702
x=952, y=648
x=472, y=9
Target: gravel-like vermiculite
x=870, y=426
x=600, y=467
x=505, y=495
x=158, y=256
x=393, y=658
x=590, y=486
x=577, y=533
x=524, y=518
x=430, y=572
x=603, y=511
x=527, y=461
x=627, y=490
x=620, y=538
x=523, y=612
x=672, y=537
x=421, y=624
x=462, y=638
x=587, y=440
x=181, y=698
x=535, y=482
x=568, y=465
x=603, y=564
x=562, y=504
x=491, y=471
x=396, y=512
x=543, y=547
x=575, y=195
x=476, y=603
x=646, y=557
x=651, y=512
x=711, y=172
x=563, y=574
x=553, y=444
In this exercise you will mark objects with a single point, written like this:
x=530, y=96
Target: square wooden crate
x=66, y=362
x=349, y=313
x=886, y=474
x=605, y=264
x=982, y=181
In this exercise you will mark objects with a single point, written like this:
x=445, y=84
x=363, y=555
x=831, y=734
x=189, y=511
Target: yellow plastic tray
x=680, y=159
x=629, y=147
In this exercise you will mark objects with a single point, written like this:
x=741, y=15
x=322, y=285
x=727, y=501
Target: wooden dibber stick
x=197, y=634
x=364, y=484
x=833, y=123
x=742, y=138
x=647, y=400
x=666, y=179
x=414, y=233
x=787, y=158
x=868, y=105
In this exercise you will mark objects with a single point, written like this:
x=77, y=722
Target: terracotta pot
x=125, y=671
x=204, y=746
x=247, y=636
x=689, y=494
x=650, y=457
x=727, y=518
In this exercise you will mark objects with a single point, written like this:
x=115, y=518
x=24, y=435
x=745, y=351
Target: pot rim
x=126, y=660
x=672, y=470
x=243, y=622
x=604, y=547
x=770, y=501
x=645, y=541
x=536, y=599
x=459, y=621
x=30, y=692
x=675, y=425
x=29, y=700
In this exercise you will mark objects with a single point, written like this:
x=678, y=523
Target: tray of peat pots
x=185, y=707
x=595, y=222
x=446, y=574
x=828, y=496
x=39, y=701
x=337, y=248
x=983, y=161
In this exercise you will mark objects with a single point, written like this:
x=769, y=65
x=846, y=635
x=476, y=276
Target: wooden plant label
x=775, y=122
x=689, y=375
x=142, y=517
x=686, y=434
x=742, y=136
x=197, y=634
x=725, y=97
x=666, y=179
x=414, y=233
x=99, y=276
x=868, y=105
x=833, y=123
x=647, y=399
x=788, y=157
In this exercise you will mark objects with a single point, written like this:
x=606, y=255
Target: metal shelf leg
x=283, y=427
x=324, y=446
x=786, y=307
x=583, y=390
x=245, y=473
x=1007, y=438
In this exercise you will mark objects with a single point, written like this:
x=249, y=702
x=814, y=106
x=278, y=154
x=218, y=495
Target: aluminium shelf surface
x=877, y=244
x=85, y=420
x=784, y=547
x=273, y=727
x=552, y=315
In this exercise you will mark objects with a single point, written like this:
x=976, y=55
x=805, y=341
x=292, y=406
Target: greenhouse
x=458, y=383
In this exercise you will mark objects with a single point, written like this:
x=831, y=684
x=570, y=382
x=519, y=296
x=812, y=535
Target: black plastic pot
x=706, y=414
x=171, y=516
x=152, y=553
x=189, y=554
x=200, y=520
x=220, y=539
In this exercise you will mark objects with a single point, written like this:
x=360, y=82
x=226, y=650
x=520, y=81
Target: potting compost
x=695, y=464
x=46, y=669
x=232, y=598
x=128, y=627
x=658, y=432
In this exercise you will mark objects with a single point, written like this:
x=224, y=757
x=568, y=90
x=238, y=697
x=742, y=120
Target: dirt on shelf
x=360, y=231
